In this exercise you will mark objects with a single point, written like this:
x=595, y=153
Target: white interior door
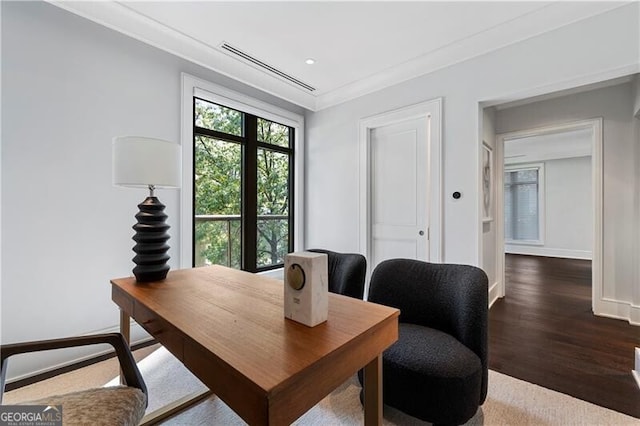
x=399, y=191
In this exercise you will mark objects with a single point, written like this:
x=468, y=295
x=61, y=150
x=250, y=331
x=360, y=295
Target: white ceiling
x=359, y=47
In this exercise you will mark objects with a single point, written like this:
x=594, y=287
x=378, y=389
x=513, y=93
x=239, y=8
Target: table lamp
x=141, y=162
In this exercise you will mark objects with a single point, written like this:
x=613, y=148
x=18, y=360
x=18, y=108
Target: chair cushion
x=431, y=375
x=117, y=405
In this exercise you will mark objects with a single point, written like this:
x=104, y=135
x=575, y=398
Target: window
x=242, y=193
x=242, y=188
x=523, y=206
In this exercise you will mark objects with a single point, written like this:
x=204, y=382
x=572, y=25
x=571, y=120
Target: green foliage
x=217, y=177
x=273, y=133
x=218, y=189
x=215, y=117
x=212, y=243
x=273, y=200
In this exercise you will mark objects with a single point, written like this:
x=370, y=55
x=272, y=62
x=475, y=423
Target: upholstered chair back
x=346, y=272
x=446, y=297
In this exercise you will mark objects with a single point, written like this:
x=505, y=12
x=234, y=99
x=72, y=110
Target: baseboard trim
x=548, y=252
x=617, y=309
x=634, y=314
x=494, y=293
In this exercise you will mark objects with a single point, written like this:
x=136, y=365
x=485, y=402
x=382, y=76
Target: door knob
x=421, y=233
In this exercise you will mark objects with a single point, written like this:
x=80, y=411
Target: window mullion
x=257, y=190
x=275, y=148
x=291, y=186
x=217, y=135
x=250, y=195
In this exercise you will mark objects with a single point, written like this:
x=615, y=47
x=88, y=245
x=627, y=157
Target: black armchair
x=437, y=370
x=124, y=405
x=346, y=272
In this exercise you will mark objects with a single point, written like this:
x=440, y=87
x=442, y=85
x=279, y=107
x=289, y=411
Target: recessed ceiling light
x=310, y=61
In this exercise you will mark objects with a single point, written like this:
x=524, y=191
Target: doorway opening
x=549, y=196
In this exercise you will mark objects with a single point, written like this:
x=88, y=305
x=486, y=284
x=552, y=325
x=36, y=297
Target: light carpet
x=510, y=401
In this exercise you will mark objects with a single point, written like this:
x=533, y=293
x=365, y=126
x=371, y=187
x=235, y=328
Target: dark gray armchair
x=346, y=272
x=437, y=370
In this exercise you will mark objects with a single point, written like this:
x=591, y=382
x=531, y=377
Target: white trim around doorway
x=600, y=305
x=432, y=110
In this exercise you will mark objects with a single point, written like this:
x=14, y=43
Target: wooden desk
x=228, y=328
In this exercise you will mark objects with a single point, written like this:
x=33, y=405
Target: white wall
x=620, y=188
x=569, y=216
x=635, y=314
x=576, y=54
x=69, y=86
x=636, y=101
x=1, y=243
x=489, y=236
x=568, y=211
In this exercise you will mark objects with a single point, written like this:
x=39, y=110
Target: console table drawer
x=164, y=332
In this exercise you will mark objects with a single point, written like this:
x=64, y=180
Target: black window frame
x=249, y=172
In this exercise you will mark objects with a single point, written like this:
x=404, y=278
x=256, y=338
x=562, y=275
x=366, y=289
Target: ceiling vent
x=257, y=62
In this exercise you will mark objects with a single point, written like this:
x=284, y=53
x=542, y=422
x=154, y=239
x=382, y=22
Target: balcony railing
x=229, y=219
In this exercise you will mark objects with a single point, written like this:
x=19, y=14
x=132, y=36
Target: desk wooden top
x=237, y=319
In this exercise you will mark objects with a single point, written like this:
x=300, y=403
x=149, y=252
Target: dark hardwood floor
x=544, y=332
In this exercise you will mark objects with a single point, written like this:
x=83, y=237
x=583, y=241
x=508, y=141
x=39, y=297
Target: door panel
x=393, y=171
x=395, y=248
x=399, y=170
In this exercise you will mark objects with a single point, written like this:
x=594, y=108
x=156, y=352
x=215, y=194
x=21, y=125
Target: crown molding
x=119, y=17
x=535, y=23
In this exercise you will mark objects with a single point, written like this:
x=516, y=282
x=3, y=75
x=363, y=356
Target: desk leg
x=125, y=330
x=373, y=392
x=170, y=409
x=125, y=326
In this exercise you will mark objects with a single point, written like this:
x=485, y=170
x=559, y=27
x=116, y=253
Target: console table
x=228, y=328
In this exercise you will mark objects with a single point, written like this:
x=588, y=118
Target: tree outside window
x=242, y=189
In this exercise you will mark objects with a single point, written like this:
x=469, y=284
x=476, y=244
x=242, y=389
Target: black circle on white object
x=456, y=195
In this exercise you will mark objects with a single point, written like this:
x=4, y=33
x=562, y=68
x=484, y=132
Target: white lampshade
x=140, y=162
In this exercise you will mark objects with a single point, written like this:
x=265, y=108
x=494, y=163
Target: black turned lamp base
x=151, y=241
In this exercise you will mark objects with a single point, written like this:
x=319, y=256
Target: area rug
x=510, y=402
